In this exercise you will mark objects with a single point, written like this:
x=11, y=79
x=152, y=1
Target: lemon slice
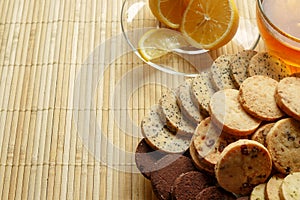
x=210, y=24
x=158, y=42
x=169, y=12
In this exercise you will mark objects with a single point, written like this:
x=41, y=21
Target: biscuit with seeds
x=175, y=119
x=220, y=69
x=186, y=104
x=158, y=137
x=268, y=65
x=239, y=66
x=287, y=96
x=202, y=91
x=257, y=97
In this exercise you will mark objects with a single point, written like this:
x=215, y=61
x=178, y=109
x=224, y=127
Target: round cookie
x=243, y=165
x=260, y=135
x=159, y=137
x=145, y=157
x=220, y=69
x=258, y=192
x=239, y=66
x=228, y=114
x=257, y=97
x=209, y=141
x=175, y=119
x=214, y=193
x=202, y=91
x=199, y=163
x=287, y=96
x=189, y=184
x=283, y=143
x=273, y=187
x=168, y=169
x=290, y=189
x=186, y=104
x=268, y=65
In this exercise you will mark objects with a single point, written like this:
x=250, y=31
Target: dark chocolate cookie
x=189, y=184
x=214, y=193
x=145, y=158
x=168, y=169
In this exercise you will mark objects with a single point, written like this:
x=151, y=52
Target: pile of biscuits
x=231, y=132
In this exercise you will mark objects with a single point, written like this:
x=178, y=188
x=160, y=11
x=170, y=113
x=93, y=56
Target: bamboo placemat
x=71, y=101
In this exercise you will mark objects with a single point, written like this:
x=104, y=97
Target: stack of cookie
x=227, y=131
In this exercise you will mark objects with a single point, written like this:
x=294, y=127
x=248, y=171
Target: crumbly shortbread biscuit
x=283, y=143
x=239, y=66
x=228, y=114
x=243, y=165
x=159, y=137
x=202, y=91
x=175, y=119
x=189, y=184
x=258, y=192
x=209, y=142
x=268, y=65
x=257, y=97
x=167, y=170
x=186, y=104
x=290, y=189
x=198, y=162
x=220, y=69
x=287, y=96
x=260, y=135
x=273, y=187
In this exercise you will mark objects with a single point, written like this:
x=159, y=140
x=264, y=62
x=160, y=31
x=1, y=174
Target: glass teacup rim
x=276, y=28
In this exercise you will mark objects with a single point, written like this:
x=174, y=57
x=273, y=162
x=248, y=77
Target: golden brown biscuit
x=260, y=135
x=287, y=96
x=243, y=165
x=283, y=142
x=256, y=96
x=228, y=114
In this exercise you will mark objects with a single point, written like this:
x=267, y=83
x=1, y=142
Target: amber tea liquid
x=283, y=39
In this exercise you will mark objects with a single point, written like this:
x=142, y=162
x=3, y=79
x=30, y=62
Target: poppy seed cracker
x=175, y=119
x=202, y=90
x=220, y=69
x=266, y=64
x=187, y=106
x=158, y=137
x=239, y=66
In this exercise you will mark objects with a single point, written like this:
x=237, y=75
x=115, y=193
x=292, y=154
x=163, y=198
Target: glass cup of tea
x=279, y=26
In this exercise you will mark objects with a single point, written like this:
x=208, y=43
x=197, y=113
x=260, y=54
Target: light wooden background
x=71, y=102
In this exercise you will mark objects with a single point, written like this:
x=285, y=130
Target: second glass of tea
x=279, y=25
